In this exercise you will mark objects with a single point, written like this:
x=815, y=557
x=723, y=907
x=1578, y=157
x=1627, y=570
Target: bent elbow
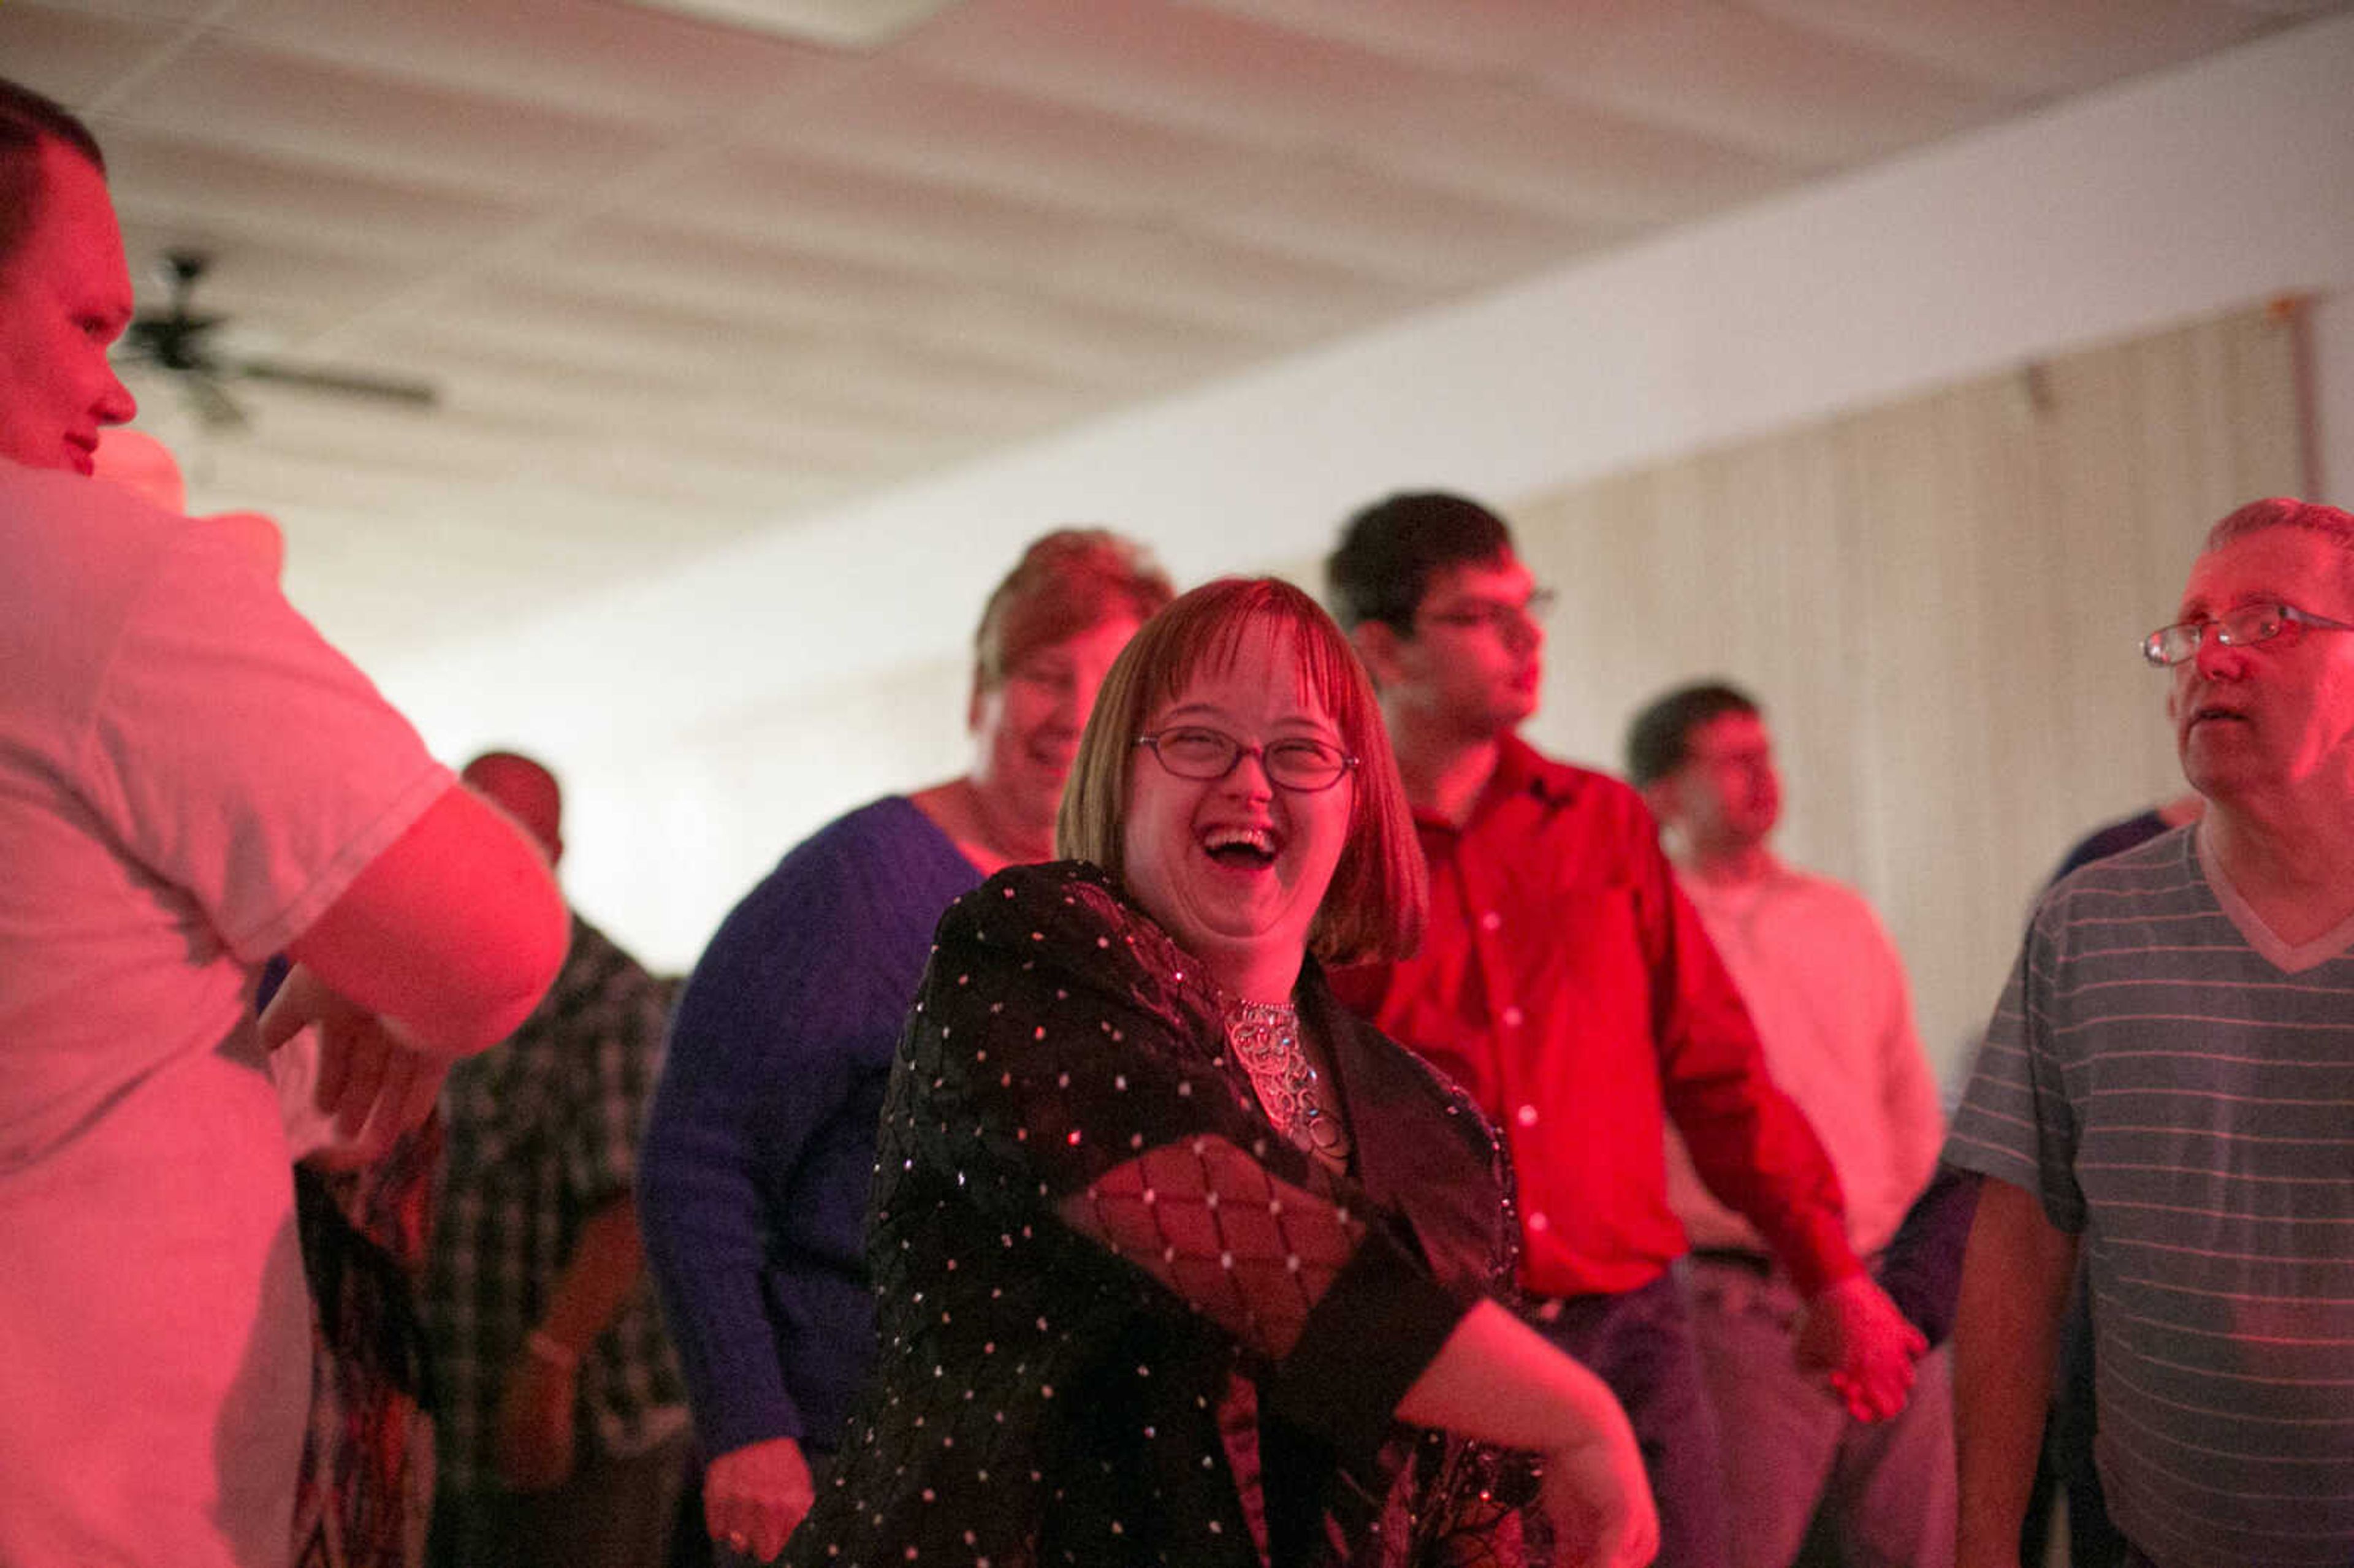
x=515, y=972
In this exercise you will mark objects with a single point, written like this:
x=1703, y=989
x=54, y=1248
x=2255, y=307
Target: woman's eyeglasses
x=1196, y=751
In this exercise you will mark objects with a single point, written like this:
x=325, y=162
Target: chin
x=2216, y=781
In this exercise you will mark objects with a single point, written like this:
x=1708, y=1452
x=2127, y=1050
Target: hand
x=370, y=1079
x=754, y=1496
x=531, y=1445
x=1853, y=1332
x=1600, y=1501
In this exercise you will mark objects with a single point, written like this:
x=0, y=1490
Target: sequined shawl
x=1085, y=1239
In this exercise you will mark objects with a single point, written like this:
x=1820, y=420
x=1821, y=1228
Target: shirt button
x=1490, y=921
x=1526, y=1116
x=1512, y=1018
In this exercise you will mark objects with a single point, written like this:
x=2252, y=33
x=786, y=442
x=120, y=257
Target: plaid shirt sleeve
x=616, y=1055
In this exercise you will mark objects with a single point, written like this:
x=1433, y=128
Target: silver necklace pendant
x=1266, y=1039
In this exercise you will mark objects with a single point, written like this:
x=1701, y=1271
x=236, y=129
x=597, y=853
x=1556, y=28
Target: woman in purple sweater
x=760, y=1150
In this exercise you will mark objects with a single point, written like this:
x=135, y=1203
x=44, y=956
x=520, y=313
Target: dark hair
x=1066, y=583
x=27, y=119
x=1389, y=552
x=1374, y=907
x=1659, y=740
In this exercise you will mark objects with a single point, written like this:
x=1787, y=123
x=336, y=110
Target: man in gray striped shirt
x=2168, y=1083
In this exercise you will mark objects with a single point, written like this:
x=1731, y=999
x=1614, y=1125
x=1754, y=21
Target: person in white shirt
x=191, y=779
x=1829, y=995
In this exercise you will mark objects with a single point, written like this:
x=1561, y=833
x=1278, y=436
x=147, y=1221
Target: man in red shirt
x=1567, y=984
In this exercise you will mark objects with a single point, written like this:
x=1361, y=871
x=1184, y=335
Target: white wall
x=706, y=720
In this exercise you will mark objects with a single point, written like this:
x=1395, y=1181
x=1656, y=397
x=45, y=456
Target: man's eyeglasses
x=1196, y=751
x=2242, y=627
x=1506, y=618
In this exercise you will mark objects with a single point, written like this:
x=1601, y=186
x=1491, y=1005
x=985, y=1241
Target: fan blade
x=175, y=342
x=347, y=383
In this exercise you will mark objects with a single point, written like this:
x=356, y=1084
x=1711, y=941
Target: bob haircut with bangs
x=1375, y=907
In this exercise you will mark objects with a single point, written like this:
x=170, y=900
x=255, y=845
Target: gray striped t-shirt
x=2184, y=1098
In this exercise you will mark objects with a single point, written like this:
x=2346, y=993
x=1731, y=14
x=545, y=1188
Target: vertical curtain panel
x=1937, y=601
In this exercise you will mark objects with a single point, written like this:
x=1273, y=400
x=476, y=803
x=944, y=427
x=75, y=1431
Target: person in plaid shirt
x=562, y=1426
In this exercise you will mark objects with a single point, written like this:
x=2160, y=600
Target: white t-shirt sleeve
x=238, y=756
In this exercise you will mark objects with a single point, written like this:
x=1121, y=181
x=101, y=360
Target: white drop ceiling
x=679, y=280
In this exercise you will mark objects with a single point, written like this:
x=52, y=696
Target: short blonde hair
x=2283, y=511
x=1068, y=581
x=1375, y=904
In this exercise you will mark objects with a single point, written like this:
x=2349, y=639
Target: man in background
x=190, y=780
x=1566, y=984
x=1829, y=995
x=2163, y=1092
x=563, y=1427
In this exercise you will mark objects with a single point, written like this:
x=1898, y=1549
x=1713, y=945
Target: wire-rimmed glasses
x=1196, y=751
x=2242, y=627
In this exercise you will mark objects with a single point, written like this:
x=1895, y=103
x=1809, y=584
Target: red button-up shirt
x=1566, y=983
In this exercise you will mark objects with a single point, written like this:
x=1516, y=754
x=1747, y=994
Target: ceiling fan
x=178, y=341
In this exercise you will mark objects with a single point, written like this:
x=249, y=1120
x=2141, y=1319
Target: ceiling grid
x=677, y=281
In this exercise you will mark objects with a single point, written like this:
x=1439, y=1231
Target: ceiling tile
x=541, y=318
x=891, y=221
x=163, y=180
x=73, y=57
x=153, y=10
x=439, y=447
x=1758, y=81
x=934, y=129
x=1404, y=231
x=1180, y=67
x=303, y=111
x=1097, y=344
x=1511, y=142
x=277, y=291
x=1495, y=37
x=2029, y=46
x=587, y=60
x=636, y=260
x=678, y=284
x=1219, y=280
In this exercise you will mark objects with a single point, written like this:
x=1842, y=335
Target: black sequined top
x=1120, y=1319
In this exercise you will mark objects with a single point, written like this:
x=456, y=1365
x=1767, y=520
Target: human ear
x=1376, y=642
x=1662, y=797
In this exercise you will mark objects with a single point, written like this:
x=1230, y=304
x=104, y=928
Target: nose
x=2216, y=660
x=1255, y=784
x=116, y=405
x=1066, y=705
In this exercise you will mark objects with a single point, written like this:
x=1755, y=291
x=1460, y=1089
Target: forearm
x=2015, y=1280
x=597, y=1279
x=1761, y=1158
x=453, y=934
x=1922, y=1269
x=1498, y=1380
x=1751, y=1146
x=736, y=1106
x=534, y=1443
x=1495, y=1380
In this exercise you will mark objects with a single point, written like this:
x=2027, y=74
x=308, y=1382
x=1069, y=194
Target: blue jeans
x=1887, y=1487
x=1640, y=1344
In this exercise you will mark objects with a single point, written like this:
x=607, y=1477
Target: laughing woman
x=1173, y=1254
